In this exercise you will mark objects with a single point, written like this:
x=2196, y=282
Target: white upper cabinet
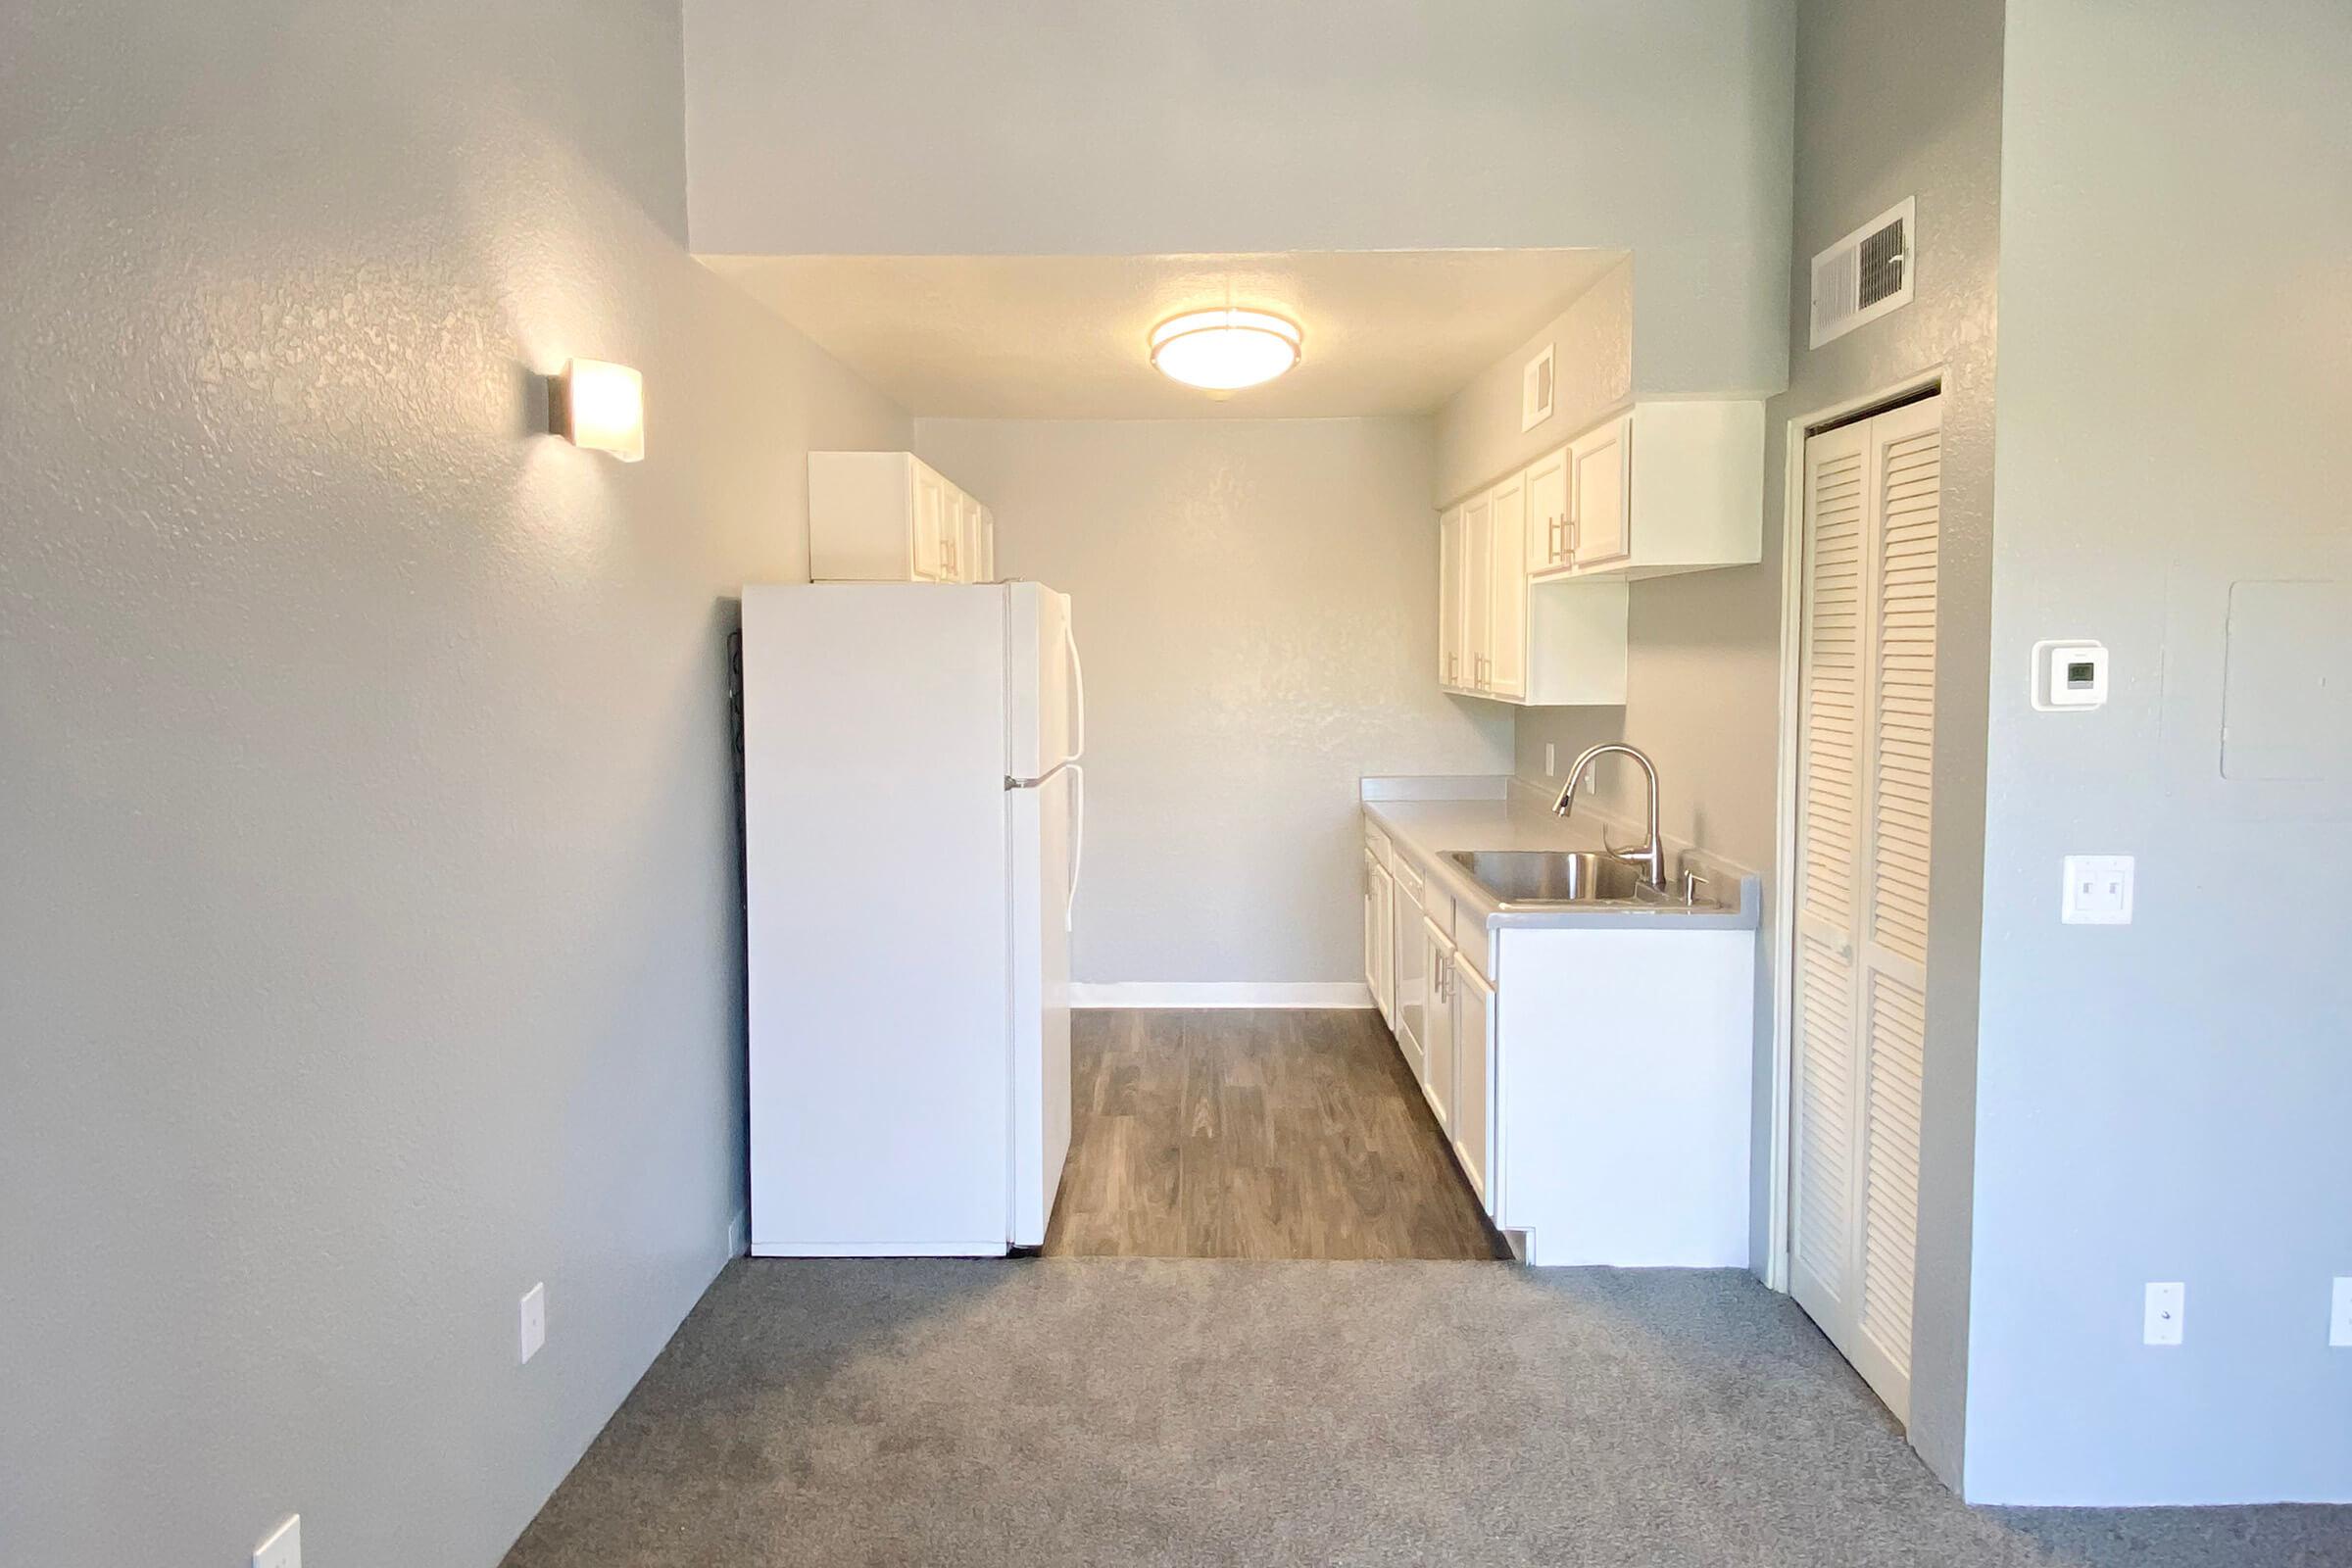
x=1663, y=488
x=1533, y=570
x=1507, y=636
x=928, y=561
x=1600, y=494
x=1507, y=612
x=889, y=517
x=1478, y=601
x=1547, y=513
x=979, y=542
x=1452, y=664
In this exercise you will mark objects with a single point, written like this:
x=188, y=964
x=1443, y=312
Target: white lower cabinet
x=1437, y=1042
x=1410, y=976
x=1474, y=1078
x=1594, y=1083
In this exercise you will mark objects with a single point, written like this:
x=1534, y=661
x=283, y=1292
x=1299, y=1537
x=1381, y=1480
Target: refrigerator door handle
x=1069, y=902
x=1069, y=640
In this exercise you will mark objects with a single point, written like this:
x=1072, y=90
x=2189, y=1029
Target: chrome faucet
x=1651, y=856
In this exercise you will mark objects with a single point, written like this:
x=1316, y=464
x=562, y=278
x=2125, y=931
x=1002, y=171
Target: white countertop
x=1508, y=819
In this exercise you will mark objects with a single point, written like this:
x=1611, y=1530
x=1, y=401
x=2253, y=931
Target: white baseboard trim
x=878, y=1249
x=1219, y=994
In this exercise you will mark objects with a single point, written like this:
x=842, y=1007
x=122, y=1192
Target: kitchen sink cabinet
x=1592, y=1071
x=1473, y=1037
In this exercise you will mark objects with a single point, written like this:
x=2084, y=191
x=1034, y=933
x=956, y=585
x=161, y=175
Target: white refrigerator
x=914, y=812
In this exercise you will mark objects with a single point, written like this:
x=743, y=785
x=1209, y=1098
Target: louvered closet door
x=1866, y=732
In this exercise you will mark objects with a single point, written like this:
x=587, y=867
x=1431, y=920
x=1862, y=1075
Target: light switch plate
x=2340, y=1313
x=2099, y=890
x=2166, y=1311
x=283, y=1546
x=534, y=1320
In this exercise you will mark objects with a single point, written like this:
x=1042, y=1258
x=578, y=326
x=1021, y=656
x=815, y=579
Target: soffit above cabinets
x=1064, y=337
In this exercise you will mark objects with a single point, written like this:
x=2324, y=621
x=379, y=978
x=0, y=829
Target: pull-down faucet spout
x=1651, y=856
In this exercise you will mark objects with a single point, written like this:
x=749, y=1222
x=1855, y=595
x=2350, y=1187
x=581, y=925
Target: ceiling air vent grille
x=1865, y=274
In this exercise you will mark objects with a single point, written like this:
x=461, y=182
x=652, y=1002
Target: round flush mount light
x=1224, y=350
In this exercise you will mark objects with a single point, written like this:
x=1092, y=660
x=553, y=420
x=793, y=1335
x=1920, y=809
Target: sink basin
x=1553, y=877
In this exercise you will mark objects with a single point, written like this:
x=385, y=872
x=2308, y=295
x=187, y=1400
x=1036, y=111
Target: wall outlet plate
x=533, y=1326
x=2340, y=1313
x=2099, y=890
x=2166, y=1312
x=282, y=1546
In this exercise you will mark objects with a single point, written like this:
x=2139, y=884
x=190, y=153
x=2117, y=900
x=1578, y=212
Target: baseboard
x=1219, y=994
x=879, y=1249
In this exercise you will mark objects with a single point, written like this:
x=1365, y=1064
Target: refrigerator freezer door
x=875, y=842
x=1042, y=820
x=1044, y=697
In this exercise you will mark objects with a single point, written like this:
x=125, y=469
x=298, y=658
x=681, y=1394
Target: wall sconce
x=599, y=405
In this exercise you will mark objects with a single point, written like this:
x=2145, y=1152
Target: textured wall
x=1478, y=438
x=1041, y=126
x=2167, y=1099
x=1256, y=601
x=366, y=832
x=1890, y=103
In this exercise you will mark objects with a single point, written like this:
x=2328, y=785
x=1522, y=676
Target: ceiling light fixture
x=1224, y=350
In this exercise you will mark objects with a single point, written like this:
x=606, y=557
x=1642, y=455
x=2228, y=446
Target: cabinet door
x=1450, y=653
x=1478, y=580
x=1371, y=930
x=984, y=545
x=1474, y=1077
x=1600, y=494
x=1547, y=513
x=1383, y=954
x=928, y=527
x=1506, y=613
x=1437, y=1044
x=1409, y=972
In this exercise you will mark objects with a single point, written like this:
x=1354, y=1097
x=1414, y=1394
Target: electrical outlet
x=2099, y=890
x=534, y=1320
x=2166, y=1312
x=1551, y=759
x=283, y=1549
x=2340, y=1313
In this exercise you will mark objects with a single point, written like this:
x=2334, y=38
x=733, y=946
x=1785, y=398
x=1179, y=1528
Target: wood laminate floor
x=1255, y=1134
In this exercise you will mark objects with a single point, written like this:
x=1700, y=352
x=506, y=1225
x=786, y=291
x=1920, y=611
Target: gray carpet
x=1116, y=1411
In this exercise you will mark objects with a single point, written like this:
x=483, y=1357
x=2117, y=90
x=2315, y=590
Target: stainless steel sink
x=1553, y=876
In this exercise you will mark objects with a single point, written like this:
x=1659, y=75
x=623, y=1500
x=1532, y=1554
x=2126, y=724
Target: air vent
x=1865, y=274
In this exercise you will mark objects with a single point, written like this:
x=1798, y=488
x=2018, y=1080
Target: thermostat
x=2069, y=673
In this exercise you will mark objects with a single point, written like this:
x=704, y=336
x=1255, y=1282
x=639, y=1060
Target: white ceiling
x=1062, y=337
